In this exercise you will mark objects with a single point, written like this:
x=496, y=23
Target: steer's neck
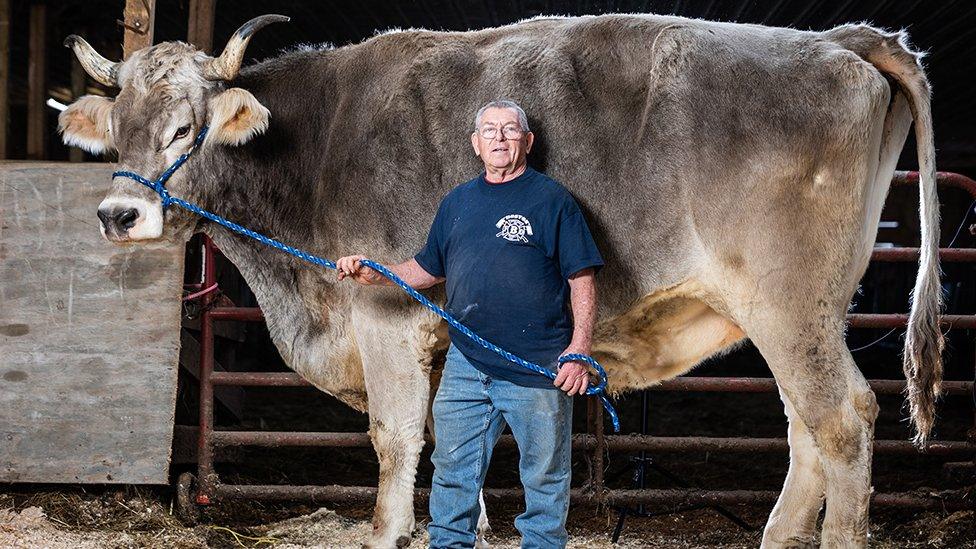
x=245, y=187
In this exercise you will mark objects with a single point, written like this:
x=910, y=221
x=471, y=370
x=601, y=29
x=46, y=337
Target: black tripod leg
x=677, y=480
x=620, y=524
x=732, y=517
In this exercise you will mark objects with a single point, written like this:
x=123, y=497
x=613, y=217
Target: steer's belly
x=663, y=335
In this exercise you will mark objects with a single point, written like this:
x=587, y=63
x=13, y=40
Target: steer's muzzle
x=117, y=220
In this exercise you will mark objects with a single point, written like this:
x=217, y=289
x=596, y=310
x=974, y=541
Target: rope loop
x=159, y=187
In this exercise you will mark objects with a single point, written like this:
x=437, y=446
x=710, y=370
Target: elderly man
x=515, y=252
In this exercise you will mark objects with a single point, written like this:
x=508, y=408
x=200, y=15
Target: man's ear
x=85, y=124
x=474, y=143
x=235, y=117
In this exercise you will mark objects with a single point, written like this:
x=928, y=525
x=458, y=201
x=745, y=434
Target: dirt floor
x=136, y=517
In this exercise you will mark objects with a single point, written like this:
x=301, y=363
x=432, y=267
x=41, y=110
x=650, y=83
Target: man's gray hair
x=503, y=104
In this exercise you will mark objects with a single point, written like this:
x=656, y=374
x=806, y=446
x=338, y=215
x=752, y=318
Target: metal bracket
x=137, y=27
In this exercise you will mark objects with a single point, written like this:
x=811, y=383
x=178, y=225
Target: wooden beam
x=4, y=75
x=78, y=85
x=36, y=88
x=140, y=18
x=201, y=25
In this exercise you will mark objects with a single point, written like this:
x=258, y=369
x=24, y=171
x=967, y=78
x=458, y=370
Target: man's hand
x=351, y=266
x=573, y=376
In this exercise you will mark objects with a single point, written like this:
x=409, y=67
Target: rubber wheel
x=187, y=509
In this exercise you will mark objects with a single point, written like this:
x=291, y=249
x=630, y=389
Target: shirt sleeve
x=575, y=246
x=431, y=257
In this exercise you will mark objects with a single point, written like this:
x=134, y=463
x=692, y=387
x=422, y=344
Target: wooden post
x=140, y=18
x=77, y=90
x=200, y=30
x=36, y=89
x=4, y=74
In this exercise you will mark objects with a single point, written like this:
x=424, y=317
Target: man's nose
x=118, y=219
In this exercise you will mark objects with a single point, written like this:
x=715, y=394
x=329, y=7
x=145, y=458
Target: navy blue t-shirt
x=506, y=251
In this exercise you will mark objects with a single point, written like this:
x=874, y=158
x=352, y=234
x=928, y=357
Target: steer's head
x=168, y=92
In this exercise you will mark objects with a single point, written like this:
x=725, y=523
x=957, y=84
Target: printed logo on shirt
x=514, y=227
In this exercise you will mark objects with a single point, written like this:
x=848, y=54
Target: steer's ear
x=235, y=117
x=86, y=122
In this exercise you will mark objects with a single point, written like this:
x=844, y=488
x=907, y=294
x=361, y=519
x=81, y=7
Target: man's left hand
x=573, y=376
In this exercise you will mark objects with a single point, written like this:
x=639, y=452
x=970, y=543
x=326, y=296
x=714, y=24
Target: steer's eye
x=182, y=132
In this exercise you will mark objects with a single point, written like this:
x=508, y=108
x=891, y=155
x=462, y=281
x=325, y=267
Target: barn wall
x=89, y=335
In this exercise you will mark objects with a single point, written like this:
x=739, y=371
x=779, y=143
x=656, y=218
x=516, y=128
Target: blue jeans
x=470, y=413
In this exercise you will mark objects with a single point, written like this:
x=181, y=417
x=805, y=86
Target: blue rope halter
x=159, y=187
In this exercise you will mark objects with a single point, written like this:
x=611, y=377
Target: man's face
x=506, y=149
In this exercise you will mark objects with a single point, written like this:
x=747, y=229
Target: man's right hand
x=351, y=266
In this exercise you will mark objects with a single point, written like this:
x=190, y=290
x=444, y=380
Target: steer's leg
x=483, y=526
x=793, y=520
x=398, y=389
x=805, y=349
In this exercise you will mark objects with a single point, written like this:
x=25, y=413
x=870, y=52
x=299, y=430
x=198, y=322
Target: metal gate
x=209, y=488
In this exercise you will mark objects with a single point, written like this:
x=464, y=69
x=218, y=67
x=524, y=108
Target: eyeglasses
x=510, y=132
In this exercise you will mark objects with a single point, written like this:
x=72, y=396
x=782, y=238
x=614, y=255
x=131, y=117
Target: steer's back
x=669, y=131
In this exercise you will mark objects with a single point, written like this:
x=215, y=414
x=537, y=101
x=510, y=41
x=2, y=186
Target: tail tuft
x=922, y=359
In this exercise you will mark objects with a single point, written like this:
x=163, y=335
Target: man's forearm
x=582, y=288
x=413, y=274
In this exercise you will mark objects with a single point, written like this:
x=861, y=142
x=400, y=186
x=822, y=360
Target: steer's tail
x=890, y=54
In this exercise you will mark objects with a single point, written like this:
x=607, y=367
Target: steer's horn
x=226, y=66
x=99, y=68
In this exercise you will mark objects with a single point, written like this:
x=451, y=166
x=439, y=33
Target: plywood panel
x=89, y=335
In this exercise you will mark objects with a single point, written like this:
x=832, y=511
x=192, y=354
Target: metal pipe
x=206, y=478
x=620, y=443
x=367, y=494
x=768, y=385
x=907, y=255
x=678, y=384
x=243, y=314
x=599, y=450
x=634, y=443
x=254, y=314
x=961, y=322
x=948, y=179
x=700, y=384
x=260, y=379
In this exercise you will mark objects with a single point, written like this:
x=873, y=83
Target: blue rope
x=159, y=186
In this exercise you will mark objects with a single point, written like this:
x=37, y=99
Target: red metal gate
x=209, y=488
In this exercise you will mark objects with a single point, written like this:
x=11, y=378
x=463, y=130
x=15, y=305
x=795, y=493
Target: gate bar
x=367, y=494
x=699, y=384
x=625, y=443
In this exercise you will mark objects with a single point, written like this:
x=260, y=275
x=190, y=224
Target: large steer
x=734, y=176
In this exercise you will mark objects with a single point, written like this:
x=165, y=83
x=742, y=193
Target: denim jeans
x=470, y=413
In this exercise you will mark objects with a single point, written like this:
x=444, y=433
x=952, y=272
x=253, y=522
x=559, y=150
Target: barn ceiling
x=946, y=29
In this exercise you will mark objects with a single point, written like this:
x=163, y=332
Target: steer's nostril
x=105, y=216
x=125, y=219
